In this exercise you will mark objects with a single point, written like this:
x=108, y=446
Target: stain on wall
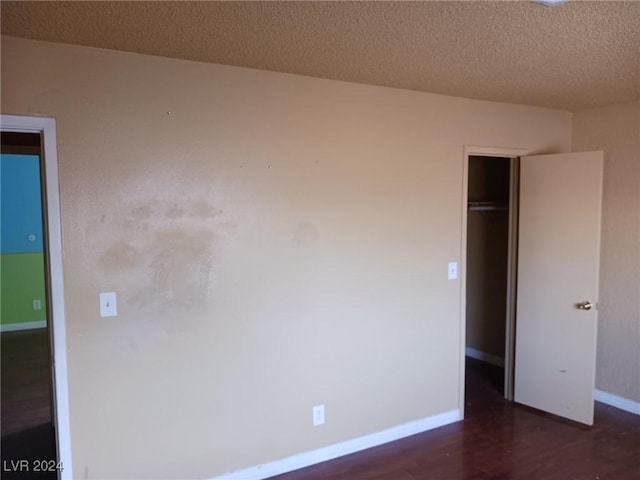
x=180, y=266
x=202, y=209
x=120, y=256
x=143, y=212
x=174, y=245
x=174, y=212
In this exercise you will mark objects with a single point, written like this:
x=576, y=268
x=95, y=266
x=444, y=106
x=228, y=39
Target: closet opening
x=490, y=274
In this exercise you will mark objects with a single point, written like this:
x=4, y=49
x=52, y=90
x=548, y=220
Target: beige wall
x=616, y=130
x=276, y=242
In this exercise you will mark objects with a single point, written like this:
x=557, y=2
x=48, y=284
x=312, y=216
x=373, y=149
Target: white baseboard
x=484, y=356
x=622, y=403
x=323, y=454
x=13, y=327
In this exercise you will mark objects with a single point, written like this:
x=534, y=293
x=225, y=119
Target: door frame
x=514, y=154
x=46, y=127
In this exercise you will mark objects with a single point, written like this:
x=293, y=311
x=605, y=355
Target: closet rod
x=486, y=206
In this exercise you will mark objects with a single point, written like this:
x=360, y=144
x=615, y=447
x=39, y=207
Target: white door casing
x=47, y=128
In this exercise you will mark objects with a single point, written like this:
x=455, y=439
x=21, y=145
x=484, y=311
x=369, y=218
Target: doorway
x=552, y=275
x=27, y=430
x=490, y=260
x=35, y=407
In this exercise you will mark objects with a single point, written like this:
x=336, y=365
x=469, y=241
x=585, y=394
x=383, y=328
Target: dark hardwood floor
x=25, y=380
x=27, y=431
x=498, y=440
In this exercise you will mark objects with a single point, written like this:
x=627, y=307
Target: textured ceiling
x=572, y=56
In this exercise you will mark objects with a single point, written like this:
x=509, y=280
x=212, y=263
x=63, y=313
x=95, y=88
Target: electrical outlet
x=318, y=415
x=37, y=304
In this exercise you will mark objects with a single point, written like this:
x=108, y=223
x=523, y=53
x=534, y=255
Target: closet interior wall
x=487, y=257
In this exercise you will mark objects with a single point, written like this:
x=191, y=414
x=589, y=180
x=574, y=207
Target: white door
x=558, y=259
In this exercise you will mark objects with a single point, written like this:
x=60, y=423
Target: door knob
x=586, y=305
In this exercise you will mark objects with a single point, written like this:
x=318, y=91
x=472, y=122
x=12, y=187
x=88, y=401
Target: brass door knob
x=586, y=305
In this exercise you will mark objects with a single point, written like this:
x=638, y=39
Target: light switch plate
x=108, y=304
x=453, y=270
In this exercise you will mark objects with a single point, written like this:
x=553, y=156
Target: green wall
x=21, y=282
x=21, y=255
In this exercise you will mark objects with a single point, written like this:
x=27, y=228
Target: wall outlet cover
x=318, y=415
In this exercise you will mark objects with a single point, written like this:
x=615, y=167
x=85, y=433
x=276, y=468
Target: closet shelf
x=486, y=206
